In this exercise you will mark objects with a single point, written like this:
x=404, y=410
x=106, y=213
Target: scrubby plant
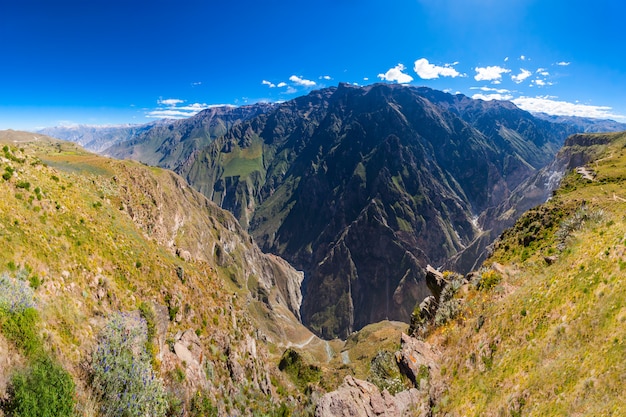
x=576, y=222
x=23, y=184
x=385, y=374
x=301, y=373
x=449, y=307
x=201, y=406
x=122, y=374
x=487, y=279
x=43, y=390
x=15, y=294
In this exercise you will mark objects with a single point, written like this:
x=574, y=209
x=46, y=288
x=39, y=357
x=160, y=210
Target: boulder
x=417, y=359
x=357, y=398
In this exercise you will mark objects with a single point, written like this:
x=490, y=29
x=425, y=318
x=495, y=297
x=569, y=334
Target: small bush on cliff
x=43, y=390
x=385, y=374
x=122, y=375
x=449, y=307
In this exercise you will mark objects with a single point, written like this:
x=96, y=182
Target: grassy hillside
x=98, y=253
x=550, y=338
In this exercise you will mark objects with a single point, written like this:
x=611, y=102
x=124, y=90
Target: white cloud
x=563, y=63
x=542, y=71
x=291, y=90
x=325, y=77
x=396, y=74
x=169, y=101
x=506, y=59
x=495, y=90
x=495, y=96
x=171, y=109
x=522, y=57
x=492, y=73
x=269, y=84
x=197, y=83
x=428, y=71
x=539, y=83
x=521, y=76
x=281, y=84
x=365, y=79
x=564, y=108
x=301, y=81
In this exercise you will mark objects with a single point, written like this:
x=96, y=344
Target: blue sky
x=109, y=62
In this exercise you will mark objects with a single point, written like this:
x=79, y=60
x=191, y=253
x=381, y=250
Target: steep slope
x=170, y=144
x=548, y=338
x=87, y=237
x=363, y=187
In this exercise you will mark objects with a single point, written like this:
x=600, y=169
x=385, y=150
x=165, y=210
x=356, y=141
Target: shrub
x=449, y=307
x=21, y=329
x=201, y=405
x=43, y=390
x=15, y=294
x=301, y=373
x=23, y=184
x=576, y=222
x=122, y=375
x=488, y=279
x=385, y=374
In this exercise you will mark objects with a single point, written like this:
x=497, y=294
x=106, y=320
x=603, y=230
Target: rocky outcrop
x=420, y=363
x=357, y=398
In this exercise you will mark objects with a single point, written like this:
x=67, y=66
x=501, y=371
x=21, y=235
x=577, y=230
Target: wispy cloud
x=172, y=108
x=301, y=81
x=268, y=83
x=490, y=89
x=519, y=78
x=563, y=63
x=564, y=108
x=169, y=101
x=493, y=96
x=325, y=77
x=491, y=73
x=281, y=84
x=428, y=71
x=396, y=74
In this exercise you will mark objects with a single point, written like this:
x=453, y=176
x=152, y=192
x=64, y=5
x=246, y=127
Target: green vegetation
x=385, y=374
x=301, y=373
x=44, y=389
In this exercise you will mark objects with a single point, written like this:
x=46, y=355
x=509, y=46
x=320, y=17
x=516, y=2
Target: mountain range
x=362, y=187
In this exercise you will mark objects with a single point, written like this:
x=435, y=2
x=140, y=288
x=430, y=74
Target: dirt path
x=301, y=345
